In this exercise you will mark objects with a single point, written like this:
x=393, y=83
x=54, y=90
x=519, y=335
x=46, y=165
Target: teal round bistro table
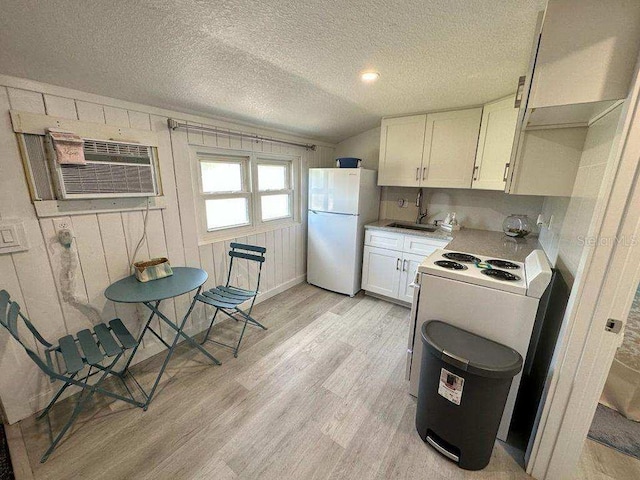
x=150, y=294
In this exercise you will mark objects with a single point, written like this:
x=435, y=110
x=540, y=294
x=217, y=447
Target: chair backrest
x=240, y=250
x=9, y=315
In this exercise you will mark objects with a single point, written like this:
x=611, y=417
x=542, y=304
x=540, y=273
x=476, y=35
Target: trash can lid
x=470, y=352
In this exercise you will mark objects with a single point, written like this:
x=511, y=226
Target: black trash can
x=464, y=384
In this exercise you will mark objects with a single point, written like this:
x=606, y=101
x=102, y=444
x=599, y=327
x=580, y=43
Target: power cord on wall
x=143, y=237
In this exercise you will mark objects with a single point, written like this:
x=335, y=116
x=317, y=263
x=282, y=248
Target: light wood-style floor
x=320, y=395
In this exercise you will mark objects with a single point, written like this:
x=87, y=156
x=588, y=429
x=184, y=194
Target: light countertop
x=470, y=240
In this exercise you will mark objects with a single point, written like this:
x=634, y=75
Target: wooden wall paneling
x=116, y=116
x=207, y=264
x=235, y=142
x=68, y=278
x=247, y=143
x=32, y=266
x=220, y=262
x=117, y=260
x=271, y=260
x=19, y=372
x=133, y=227
x=286, y=255
x=291, y=256
x=194, y=137
x=187, y=214
x=157, y=247
x=90, y=112
x=223, y=141
x=92, y=258
x=277, y=247
x=60, y=107
x=139, y=120
x=301, y=250
x=252, y=272
x=171, y=214
x=241, y=267
x=26, y=101
x=261, y=240
x=210, y=139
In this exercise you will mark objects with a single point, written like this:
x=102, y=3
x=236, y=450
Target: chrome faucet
x=421, y=215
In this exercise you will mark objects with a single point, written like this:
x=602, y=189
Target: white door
x=410, y=264
x=497, y=131
x=381, y=271
x=334, y=190
x=401, y=145
x=450, y=145
x=332, y=257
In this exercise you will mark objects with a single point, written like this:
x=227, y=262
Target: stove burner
x=461, y=257
x=500, y=275
x=503, y=264
x=450, y=265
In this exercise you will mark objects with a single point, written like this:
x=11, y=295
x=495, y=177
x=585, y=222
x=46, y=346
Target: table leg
x=179, y=333
x=144, y=330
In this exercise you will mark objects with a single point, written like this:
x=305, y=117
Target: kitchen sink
x=414, y=226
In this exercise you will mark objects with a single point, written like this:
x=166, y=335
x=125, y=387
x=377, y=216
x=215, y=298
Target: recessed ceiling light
x=369, y=76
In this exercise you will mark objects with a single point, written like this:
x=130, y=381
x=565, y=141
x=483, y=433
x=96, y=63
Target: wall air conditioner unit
x=112, y=170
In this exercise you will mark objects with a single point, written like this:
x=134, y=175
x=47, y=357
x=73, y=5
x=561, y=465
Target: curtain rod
x=174, y=125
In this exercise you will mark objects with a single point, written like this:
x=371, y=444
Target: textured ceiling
x=289, y=64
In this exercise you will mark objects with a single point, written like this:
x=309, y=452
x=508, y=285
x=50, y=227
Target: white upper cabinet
x=450, y=143
x=497, y=131
x=587, y=53
x=432, y=150
x=401, y=144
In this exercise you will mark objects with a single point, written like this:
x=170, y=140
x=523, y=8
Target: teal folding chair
x=227, y=298
x=86, y=349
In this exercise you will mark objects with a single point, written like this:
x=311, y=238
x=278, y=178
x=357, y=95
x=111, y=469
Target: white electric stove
x=492, y=297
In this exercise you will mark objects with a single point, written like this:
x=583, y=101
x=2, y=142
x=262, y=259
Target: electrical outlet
x=63, y=225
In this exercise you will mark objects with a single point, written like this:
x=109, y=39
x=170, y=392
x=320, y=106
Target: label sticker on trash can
x=450, y=386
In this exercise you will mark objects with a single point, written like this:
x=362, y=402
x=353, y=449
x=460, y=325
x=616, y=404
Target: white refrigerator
x=341, y=202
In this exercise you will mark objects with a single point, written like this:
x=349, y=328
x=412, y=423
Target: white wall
x=104, y=242
x=565, y=240
x=365, y=145
x=481, y=209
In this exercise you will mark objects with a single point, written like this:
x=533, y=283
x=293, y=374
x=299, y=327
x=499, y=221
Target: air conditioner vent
x=117, y=149
x=107, y=179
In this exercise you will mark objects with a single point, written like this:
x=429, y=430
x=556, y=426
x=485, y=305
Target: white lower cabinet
x=391, y=271
x=381, y=271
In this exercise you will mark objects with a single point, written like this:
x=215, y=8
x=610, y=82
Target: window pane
x=275, y=206
x=272, y=177
x=226, y=212
x=221, y=177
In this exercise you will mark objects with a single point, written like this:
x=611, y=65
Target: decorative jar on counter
x=518, y=226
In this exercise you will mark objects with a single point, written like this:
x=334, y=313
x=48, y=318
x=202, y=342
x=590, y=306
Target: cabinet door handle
x=475, y=172
x=424, y=172
x=417, y=173
x=404, y=265
x=506, y=169
x=397, y=264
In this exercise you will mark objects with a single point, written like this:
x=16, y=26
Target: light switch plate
x=13, y=237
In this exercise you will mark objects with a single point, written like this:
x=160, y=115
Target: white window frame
x=250, y=161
